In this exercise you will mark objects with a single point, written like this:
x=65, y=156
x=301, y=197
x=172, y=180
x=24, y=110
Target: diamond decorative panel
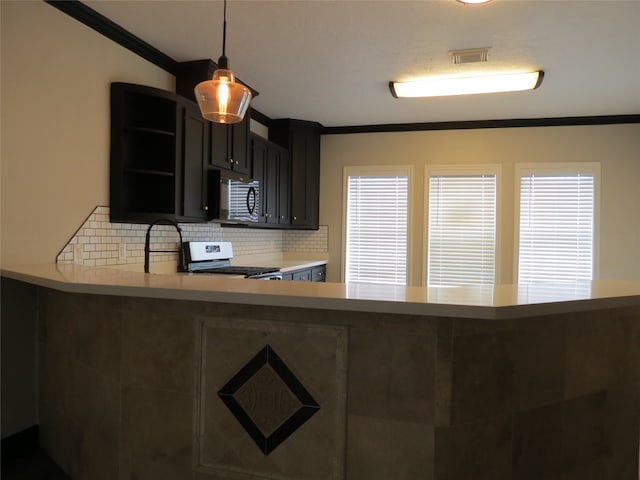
x=268, y=400
x=278, y=385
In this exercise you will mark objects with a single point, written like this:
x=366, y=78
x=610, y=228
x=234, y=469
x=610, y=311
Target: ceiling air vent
x=471, y=55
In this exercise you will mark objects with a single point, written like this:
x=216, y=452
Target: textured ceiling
x=331, y=61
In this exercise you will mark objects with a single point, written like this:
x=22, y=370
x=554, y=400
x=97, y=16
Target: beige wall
x=616, y=147
x=55, y=125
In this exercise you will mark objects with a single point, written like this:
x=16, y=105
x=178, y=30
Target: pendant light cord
x=224, y=30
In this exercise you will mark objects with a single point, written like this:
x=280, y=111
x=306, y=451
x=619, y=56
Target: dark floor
x=32, y=465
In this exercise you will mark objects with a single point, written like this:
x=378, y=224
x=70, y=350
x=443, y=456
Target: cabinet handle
x=295, y=218
x=205, y=207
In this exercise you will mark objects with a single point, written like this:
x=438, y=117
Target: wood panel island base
x=133, y=387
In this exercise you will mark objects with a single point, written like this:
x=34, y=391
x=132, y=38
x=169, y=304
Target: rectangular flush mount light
x=444, y=86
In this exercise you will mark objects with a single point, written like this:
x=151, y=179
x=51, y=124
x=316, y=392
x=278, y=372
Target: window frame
x=461, y=170
x=377, y=171
x=560, y=168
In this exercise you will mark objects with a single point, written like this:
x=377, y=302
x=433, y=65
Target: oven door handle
x=251, y=200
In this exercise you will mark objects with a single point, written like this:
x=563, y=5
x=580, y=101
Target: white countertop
x=285, y=262
x=488, y=302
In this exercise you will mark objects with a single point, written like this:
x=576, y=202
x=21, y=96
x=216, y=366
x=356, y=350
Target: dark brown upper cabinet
x=302, y=140
x=159, y=149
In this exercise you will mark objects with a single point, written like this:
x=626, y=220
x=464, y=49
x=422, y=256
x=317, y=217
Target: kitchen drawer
x=313, y=274
x=302, y=276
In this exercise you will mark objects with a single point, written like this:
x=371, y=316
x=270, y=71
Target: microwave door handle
x=251, y=200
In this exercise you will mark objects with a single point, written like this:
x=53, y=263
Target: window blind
x=462, y=229
x=376, y=229
x=556, y=228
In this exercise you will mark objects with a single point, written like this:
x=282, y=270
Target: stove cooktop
x=238, y=270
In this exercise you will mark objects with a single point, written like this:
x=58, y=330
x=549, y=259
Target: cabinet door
x=271, y=185
x=271, y=169
x=259, y=170
x=319, y=273
x=230, y=146
x=195, y=152
x=305, y=173
x=284, y=183
x=240, y=146
x=220, y=134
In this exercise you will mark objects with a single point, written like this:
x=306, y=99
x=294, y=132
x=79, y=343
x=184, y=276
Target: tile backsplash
x=100, y=242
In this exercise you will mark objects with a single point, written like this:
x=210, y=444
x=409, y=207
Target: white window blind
x=376, y=229
x=556, y=228
x=462, y=230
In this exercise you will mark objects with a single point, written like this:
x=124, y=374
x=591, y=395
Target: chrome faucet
x=147, y=249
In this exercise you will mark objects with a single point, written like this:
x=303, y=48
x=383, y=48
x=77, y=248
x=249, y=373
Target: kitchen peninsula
x=185, y=376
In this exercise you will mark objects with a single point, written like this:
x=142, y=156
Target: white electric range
x=215, y=258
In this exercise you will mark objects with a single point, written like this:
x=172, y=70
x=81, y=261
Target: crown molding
x=475, y=124
x=115, y=32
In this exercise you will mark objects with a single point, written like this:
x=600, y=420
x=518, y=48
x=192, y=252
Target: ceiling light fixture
x=473, y=2
x=222, y=99
x=444, y=86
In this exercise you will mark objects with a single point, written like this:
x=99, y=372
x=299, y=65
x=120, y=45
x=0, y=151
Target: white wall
x=616, y=147
x=55, y=125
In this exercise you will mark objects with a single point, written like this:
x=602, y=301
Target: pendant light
x=222, y=99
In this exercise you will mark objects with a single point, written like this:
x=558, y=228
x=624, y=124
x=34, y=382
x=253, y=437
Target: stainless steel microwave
x=233, y=198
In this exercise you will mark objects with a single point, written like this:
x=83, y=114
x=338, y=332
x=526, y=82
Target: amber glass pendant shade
x=222, y=99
